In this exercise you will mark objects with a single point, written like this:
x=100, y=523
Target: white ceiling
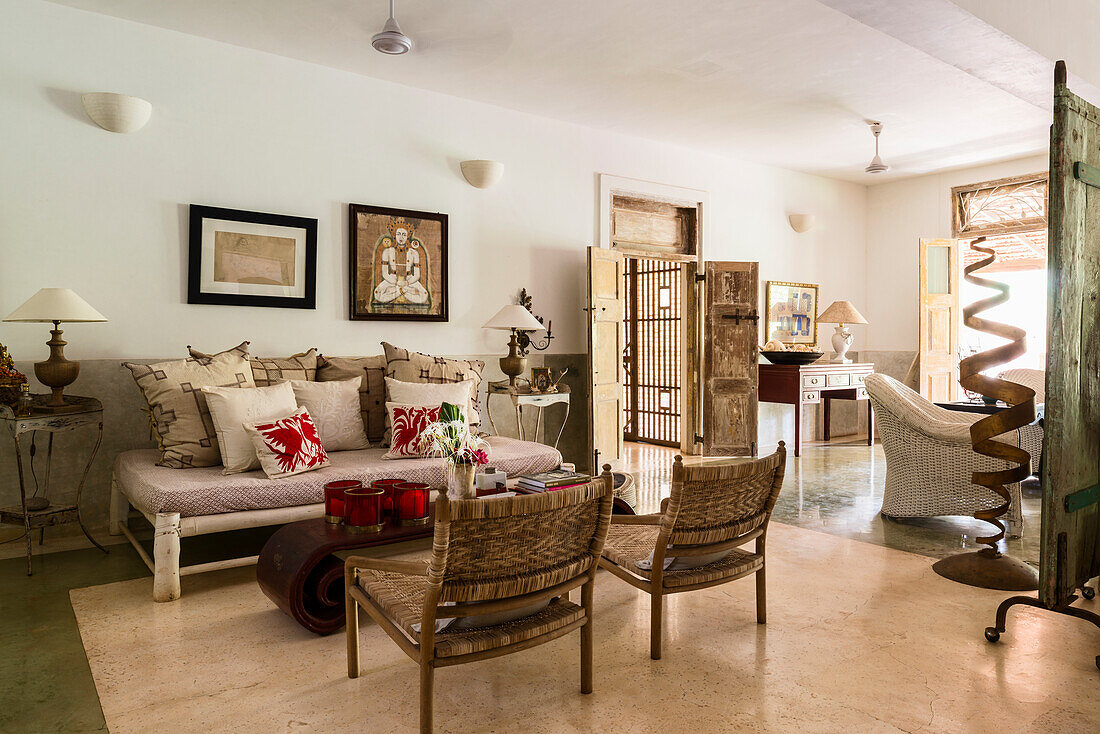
x=781, y=82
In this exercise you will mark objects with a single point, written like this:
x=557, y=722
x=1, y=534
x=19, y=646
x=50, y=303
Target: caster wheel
x=992, y=634
x=1088, y=592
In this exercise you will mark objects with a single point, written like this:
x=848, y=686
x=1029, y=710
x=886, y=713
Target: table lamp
x=515, y=318
x=841, y=313
x=56, y=305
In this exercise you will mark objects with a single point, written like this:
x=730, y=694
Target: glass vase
x=459, y=477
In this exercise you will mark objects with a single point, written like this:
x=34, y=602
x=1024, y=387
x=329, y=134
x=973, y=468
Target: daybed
x=203, y=500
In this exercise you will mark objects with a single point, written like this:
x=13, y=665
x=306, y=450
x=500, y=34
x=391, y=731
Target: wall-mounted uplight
x=801, y=222
x=117, y=113
x=482, y=174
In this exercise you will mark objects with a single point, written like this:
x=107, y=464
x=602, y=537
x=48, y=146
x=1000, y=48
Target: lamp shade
x=55, y=304
x=513, y=317
x=841, y=312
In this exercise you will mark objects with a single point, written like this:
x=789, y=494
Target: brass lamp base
x=56, y=373
x=988, y=569
x=513, y=365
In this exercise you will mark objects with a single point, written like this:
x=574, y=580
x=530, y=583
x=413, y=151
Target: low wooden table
x=810, y=384
x=299, y=571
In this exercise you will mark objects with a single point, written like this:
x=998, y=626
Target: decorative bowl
x=792, y=357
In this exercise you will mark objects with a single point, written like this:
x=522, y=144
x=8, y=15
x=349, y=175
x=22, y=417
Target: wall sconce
x=482, y=174
x=801, y=222
x=117, y=113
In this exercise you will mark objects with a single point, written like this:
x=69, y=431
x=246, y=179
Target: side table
x=90, y=413
x=816, y=383
x=522, y=396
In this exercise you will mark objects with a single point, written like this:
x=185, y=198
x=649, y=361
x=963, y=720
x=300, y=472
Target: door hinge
x=752, y=448
x=700, y=277
x=698, y=438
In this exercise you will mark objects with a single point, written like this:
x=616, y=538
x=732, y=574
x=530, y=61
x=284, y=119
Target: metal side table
x=90, y=413
x=523, y=396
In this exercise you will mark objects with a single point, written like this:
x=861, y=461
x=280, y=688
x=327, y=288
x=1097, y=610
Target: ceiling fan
x=390, y=40
x=876, y=165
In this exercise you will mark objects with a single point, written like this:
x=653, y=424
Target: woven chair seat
x=401, y=598
x=627, y=544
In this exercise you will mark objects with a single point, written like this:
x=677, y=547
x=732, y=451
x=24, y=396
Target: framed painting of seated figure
x=398, y=264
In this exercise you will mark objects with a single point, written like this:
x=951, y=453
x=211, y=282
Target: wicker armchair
x=712, y=510
x=930, y=459
x=490, y=556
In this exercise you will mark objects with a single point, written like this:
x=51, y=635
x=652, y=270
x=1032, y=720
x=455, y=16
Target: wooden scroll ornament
x=990, y=568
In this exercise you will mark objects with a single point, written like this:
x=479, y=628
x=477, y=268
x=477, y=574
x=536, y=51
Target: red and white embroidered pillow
x=408, y=421
x=288, y=446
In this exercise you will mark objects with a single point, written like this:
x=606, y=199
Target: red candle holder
x=363, y=510
x=334, y=498
x=389, y=487
x=411, y=503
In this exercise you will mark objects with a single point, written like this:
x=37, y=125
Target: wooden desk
x=810, y=384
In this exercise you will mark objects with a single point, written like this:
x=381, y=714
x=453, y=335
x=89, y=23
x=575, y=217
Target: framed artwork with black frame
x=240, y=258
x=398, y=264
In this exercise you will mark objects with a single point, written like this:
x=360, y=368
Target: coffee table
x=299, y=571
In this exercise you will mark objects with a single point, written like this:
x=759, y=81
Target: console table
x=812, y=384
x=522, y=396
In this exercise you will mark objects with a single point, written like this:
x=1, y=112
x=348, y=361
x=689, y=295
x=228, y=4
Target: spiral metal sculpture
x=1020, y=399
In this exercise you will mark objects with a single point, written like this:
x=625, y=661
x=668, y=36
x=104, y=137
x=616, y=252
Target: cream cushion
x=181, y=419
x=372, y=391
x=233, y=407
x=428, y=395
x=334, y=407
x=408, y=366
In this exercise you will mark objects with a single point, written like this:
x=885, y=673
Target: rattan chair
x=713, y=508
x=489, y=556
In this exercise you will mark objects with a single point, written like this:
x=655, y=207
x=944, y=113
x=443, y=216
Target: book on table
x=554, y=479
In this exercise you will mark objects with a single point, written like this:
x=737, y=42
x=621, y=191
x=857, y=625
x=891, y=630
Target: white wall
x=899, y=214
x=104, y=214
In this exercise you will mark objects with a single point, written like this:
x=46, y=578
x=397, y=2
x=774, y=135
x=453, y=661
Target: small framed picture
x=541, y=380
x=791, y=312
x=240, y=258
x=398, y=264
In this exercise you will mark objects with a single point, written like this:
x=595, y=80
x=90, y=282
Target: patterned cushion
x=401, y=364
x=372, y=391
x=408, y=422
x=288, y=446
x=153, y=488
x=173, y=391
x=334, y=407
x=427, y=395
x=628, y=544
x=269, y=370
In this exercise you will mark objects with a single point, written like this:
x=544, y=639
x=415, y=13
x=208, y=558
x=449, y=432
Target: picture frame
x=398, y=264
x=790, y=312
x=244, y=258
x=541, y=381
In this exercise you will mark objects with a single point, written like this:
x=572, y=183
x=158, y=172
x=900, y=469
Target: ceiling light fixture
x=391, y=40
x=876, y=166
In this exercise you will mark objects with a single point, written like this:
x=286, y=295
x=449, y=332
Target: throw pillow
x=421, y=393
x=408, y=423
x=173, y=390
x=269, y=370
x=231, y=408
x=334, y=407
x=682, y=563
x=401, y=364
x=288, y=446
x=372, y=391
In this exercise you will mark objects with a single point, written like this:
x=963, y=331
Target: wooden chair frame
x=666, y=520
x=423, y=651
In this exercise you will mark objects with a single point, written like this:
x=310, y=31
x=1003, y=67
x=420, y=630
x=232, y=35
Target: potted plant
x=462, y=451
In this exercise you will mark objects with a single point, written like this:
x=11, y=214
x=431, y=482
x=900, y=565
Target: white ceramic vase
x=842, y=340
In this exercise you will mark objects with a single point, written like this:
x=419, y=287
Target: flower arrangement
x=450, y=437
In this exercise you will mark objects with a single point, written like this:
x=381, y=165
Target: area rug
x=859, y=638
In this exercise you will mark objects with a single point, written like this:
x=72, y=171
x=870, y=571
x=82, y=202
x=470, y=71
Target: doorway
x=652, y=385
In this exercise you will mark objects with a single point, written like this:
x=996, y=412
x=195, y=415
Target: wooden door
x=605, y=357
x=1070, y=550
x=939, y=320
x=729, y=371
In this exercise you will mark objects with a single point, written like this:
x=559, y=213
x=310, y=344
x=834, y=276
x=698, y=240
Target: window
x=1011, y=214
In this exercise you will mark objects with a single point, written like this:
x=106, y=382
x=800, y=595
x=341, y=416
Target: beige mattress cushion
x=153, y=488
x=270, y=370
